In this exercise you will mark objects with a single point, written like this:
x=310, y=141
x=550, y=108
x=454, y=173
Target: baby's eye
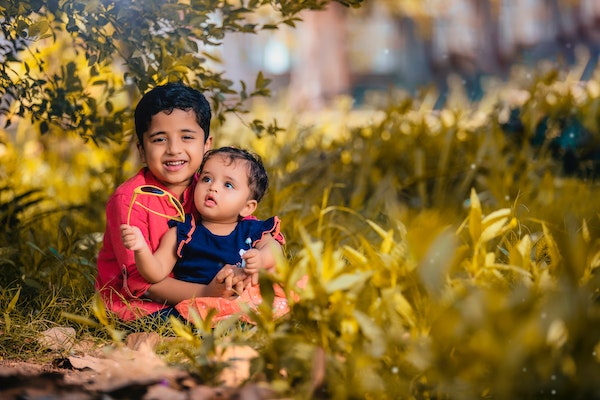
x=229, y=185
x=205, y=179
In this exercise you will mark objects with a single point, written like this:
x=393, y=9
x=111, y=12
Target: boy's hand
x=232, y=278
x=132, y=238
x=239, y=280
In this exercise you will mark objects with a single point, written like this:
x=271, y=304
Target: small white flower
x=248, y=242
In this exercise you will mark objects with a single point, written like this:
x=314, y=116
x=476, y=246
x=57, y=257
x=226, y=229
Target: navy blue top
x=201, y=254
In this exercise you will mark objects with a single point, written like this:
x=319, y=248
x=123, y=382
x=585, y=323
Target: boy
x=232, y=182
x=172, y=124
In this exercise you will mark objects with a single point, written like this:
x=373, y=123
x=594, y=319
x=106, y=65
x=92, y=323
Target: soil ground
x=133, y=371
x=27, y=380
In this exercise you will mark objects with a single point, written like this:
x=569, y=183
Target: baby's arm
x=263, y=255
x=153, y=267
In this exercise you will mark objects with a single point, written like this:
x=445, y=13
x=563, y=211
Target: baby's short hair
x=258, y=180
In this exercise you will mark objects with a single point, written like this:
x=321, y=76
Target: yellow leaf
x=403, y=307
x=490, y=259
x=551, y=247
x=585, y=232
x=13, y=302
x=345, y=282
x=492, y=230
x=80, y=319
x=182, y=330
x=353, y=256
x=557, y=334
x=524, y=246
x=475, y=217
x=506, y=267
x=524, y=249
x=591, y=268
x=380, y=231
x=496, y=215
x=433, y=269
x=387, y=236
x=99, y=310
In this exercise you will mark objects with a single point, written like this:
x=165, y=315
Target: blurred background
x=436, y=164
x=347, y=63
x=414, y=44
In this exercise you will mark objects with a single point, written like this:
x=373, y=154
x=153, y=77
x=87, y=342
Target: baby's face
x=222, y=193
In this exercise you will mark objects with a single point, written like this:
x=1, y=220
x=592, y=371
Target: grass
x=450, y=253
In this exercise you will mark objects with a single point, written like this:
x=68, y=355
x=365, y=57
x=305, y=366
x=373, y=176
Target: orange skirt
x=250, y=298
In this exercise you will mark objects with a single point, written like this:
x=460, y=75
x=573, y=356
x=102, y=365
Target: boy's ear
x=141, y=151
x=208, y=144
x=249, y=208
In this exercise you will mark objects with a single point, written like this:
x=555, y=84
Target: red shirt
x=118, y=281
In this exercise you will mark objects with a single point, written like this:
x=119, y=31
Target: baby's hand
x=253, y=261
x=132, y=238
x=253, y=264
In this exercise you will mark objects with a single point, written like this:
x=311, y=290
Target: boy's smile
x=173, y=148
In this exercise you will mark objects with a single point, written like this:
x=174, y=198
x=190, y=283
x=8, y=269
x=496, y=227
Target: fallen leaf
x=138, y=340
x=238, y=359
x=59, y=338
x=122, y=367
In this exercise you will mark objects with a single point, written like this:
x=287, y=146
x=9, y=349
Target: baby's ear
x=249, y=208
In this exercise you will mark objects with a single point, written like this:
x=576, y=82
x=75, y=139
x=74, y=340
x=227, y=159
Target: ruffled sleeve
x=271, y=226
x=184, y=231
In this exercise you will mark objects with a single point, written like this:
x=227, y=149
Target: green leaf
x=38, y=28
x=13, y=302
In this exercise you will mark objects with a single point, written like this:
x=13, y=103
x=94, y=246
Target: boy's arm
x=173, y=291
x=152, y=267
x=115, y=261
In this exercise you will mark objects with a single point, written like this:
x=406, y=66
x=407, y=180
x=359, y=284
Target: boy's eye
x=158, y=139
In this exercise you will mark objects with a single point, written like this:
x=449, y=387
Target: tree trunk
x=320, y=71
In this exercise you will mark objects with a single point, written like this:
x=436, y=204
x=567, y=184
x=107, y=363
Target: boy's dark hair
x=173, y=95
x=258, y=180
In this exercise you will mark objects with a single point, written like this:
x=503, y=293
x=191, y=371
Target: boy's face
x=222, y=194
x=173, y=148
